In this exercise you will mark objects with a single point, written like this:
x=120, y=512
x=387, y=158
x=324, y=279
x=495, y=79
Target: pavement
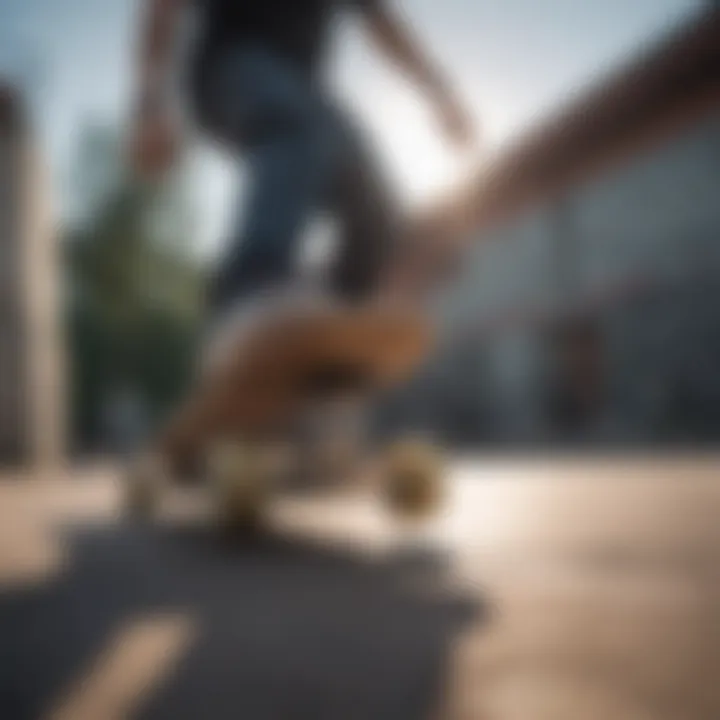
x=547, y=589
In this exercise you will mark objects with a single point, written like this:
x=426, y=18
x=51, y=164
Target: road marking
x=136, y=661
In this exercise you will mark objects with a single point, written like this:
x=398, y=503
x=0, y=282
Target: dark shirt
x=295, y=29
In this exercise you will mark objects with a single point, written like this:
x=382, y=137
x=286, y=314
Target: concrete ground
x=548, y=589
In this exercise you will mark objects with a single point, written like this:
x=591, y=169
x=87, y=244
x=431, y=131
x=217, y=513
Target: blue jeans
x=304, y=155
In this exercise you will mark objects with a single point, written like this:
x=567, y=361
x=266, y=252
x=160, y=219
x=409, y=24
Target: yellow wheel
x=241, y=478
x=412, y=479
x=143, y=487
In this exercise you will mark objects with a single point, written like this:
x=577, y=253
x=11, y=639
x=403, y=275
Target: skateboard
x=236, y=427
x=285, y=410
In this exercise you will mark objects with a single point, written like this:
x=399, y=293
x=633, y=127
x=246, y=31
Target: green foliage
x=133, y=294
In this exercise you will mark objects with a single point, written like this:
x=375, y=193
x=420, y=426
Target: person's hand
x=455, y=121
x=154, y=141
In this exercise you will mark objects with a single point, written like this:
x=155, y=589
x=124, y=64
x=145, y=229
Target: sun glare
x=422, y=163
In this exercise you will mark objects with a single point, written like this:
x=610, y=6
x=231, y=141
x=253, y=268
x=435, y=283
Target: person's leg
x=285, y=180
x=369, y=218
x=262, y=108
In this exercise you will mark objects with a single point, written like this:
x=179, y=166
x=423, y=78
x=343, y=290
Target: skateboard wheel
x=412, y=479
x=143, y=487
x=241, y=478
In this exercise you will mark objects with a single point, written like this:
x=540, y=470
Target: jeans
x=303, y=155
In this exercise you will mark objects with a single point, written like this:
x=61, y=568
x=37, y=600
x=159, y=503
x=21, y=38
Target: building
x=589, y=308
x=31, y=395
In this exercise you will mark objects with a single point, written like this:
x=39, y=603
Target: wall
x=637, y=254
x=31, y=368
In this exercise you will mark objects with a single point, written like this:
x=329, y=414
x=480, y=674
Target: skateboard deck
x=291, y=358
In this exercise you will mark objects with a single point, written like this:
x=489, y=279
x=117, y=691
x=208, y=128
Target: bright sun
x=421, y=162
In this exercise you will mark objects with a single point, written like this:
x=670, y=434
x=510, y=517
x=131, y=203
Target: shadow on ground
x=285, y=628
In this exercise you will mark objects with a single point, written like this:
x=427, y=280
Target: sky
x=512, y=61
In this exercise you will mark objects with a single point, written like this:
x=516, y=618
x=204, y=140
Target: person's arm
x=154, y=134
x=395, y=39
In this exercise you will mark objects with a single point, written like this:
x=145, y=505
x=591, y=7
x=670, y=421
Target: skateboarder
x=256, y=85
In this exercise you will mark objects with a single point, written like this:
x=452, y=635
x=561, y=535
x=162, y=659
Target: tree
x=133, y=296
